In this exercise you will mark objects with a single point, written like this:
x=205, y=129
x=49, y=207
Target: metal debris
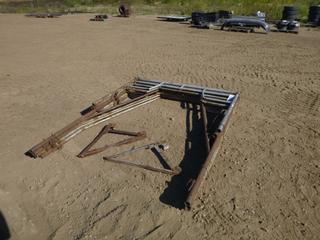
x=174, y=18
x=157, y=149
x=135, y=136
x=217, y=102
x=288, y=26
x=44, y=15
x=99, y=17
x=147, y=167
x=125, y=10
x=100, y=111
x=245, y=24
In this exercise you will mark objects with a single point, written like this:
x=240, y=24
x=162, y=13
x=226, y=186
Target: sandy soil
x=264, y=184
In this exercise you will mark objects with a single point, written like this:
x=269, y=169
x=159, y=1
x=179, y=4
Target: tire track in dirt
x=115, y=214
x=293, y=102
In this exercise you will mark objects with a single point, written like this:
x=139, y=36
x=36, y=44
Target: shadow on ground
x=4, y=229
x=177, y=190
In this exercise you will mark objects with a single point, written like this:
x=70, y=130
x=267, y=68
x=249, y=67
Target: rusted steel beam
x=135, y=136
x=174, y=171
x=109, y=114
x=197, y=183
x=103, y=131
x=99, y=112
x=54, y=142
x=106, y=101
x=135, y=149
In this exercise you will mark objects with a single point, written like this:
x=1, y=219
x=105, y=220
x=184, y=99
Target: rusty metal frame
x=100, y=111
x=139, y=93
x=109, y=128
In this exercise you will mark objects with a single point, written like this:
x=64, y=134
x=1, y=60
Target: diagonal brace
x=134, y=136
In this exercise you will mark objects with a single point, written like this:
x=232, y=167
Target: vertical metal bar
x=205, y=126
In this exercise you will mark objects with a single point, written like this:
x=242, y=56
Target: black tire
x=290, y=13
x=212, y=17
x=290, y=8
x=225, y=14
x=314, y=8
x=197, y=18
x=314, y=14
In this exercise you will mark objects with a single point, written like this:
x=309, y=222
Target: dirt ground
x=264, y=184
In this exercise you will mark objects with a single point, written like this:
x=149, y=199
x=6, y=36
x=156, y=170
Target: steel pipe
x=209, y=161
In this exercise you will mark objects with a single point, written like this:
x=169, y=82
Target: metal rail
x=211, y=96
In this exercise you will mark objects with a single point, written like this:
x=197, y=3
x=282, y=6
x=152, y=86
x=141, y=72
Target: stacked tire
x=314, y=15
x=225, y=14
x=290, y=13
x=200, y=18
x=197, y=18
x=212, y=17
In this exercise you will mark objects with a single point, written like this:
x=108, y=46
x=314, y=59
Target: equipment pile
x=99, y=17
x=215, y=106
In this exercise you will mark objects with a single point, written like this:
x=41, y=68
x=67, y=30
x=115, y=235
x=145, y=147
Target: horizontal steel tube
x=142, y=88
x=208, y=95
x=194, y=100
x=147, y=80
x=215, y=100
x=192, y=92
x=145, y=83
x=190, y=86
x=106, y=116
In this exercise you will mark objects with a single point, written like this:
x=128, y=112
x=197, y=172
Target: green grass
x=244, y=7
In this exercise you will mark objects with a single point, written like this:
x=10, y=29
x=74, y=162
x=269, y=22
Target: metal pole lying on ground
x=147, y=167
